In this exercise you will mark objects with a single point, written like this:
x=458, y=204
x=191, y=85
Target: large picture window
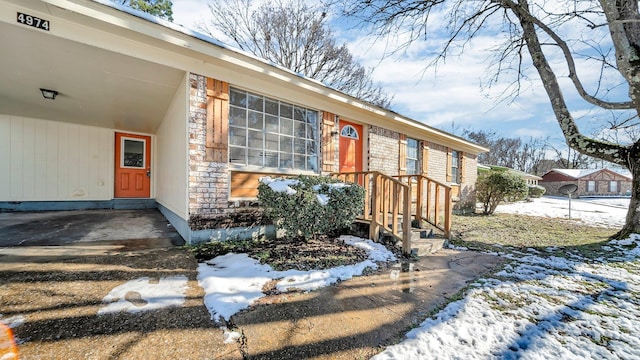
x=270, y=133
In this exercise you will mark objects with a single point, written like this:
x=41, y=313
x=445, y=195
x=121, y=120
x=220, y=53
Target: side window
x=455, y=167
x=412, y=156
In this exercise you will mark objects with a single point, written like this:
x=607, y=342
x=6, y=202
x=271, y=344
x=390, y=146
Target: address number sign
x=36, y=22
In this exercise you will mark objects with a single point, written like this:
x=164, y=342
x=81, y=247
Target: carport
x=139, y=228
x=115, y=87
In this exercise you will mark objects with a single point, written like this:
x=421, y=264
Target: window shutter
x=402, y=156
x=462, y=165
x=217, y=120
x=328, y=141
x=425, y=158
x=449, y=163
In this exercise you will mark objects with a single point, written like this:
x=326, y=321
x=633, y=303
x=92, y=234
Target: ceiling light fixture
x=49, y=94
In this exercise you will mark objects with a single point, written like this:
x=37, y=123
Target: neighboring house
x=532, y=180
x=148, y=113
x=590, y=182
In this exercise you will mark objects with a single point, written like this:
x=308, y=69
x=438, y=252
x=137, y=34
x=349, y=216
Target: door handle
x=149, y=173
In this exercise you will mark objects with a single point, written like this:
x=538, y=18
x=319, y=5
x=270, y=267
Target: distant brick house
x=590, y=182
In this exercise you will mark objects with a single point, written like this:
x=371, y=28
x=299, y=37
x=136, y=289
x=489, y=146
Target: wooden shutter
x=425, y=158
x=461, y=166
x=217, y=120
x=402, y=156
x=449, y=164
x=328, y=142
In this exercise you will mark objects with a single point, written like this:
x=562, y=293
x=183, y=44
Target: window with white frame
x=591, y=186
x=269, y=133
x=412, y=156
x=613, y=186
x=455, y=167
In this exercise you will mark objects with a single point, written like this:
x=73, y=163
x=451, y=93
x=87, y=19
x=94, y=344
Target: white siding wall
x=48, y=160
x=172, y=155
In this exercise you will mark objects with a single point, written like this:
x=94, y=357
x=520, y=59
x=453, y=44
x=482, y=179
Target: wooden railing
x=387, y=206
x=431, y=201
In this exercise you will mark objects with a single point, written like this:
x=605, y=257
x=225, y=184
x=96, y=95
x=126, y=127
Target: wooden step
x=423, y=247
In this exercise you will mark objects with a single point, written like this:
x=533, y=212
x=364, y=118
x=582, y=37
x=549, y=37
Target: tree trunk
x=623, y=155
x=632, y=223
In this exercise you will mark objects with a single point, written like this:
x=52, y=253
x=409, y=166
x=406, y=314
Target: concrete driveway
x=68, y=227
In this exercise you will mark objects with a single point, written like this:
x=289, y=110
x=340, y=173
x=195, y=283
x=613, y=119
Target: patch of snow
x=541, y=306
x=323, y=199
x=280, y=185
x=593, y=212
x=148, y=294
x=13, y=321
x=229, y=337
x=233, y=282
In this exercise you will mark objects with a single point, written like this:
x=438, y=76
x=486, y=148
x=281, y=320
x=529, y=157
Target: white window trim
x=144, y=152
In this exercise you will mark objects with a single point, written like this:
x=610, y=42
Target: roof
x=580, y=173
x=522, y=174
x=392, y=115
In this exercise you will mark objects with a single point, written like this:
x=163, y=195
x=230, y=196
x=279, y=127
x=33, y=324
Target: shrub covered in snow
x=536, y=191
x=308, y=206
x=494, y=187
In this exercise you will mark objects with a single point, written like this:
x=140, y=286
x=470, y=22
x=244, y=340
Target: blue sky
x=451, y=97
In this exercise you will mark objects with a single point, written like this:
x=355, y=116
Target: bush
x=308, y=206
x=495, y=186
x=536, y=191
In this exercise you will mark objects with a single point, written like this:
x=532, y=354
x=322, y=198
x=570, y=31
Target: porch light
x=49, y=94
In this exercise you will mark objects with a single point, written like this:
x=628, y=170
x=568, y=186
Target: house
x=590, y=182
x=102, y=106
x=532, y=180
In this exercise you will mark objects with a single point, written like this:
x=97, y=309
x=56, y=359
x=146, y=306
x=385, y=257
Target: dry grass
x=526, y=231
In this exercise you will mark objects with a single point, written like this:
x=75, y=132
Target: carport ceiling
x=96, y=87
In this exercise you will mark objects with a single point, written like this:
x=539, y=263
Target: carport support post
x=569, y=205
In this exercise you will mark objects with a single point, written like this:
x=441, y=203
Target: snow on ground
x=144, y=294
x=543, y=306
x=605, y=212
x=233, y=282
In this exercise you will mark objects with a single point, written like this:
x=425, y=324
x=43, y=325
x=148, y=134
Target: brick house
x=115, y=108
x=590, y=182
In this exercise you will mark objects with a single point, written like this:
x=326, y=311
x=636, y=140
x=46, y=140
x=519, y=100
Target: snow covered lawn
x=542, y=306
x=606, y=212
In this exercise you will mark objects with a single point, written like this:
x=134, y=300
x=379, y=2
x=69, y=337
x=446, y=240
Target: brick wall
x=384, y=150
x=209, y=205
x=437, y=162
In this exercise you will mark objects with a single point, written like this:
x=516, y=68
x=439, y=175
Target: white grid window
x=412, y=156
x=269, y=133
x=455, y=167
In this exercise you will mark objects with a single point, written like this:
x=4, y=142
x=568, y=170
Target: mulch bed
x=285, y=254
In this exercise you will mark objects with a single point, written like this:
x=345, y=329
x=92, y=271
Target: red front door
x=133, y=166
x=350, y=147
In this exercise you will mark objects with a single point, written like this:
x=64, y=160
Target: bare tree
x=510, y=152
x=568, y=158
x=537, y=31
x=294, y=34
